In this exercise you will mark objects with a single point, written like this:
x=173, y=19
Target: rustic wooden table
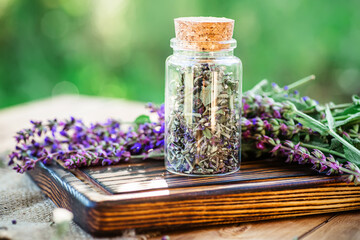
x=327, y=226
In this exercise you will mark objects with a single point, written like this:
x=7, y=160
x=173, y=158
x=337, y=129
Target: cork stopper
x=204, y=33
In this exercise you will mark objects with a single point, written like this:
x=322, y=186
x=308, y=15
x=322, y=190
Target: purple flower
x=106, y=162
x=289, y=158
x=277, y=114
x=267, y=125
x=246, y=107
x=68, y=163
x=247, y=123
x=306, y=98
x=297, y=146
x=126, y=155
x=335, y=165
x=258, y=99
x=260, y=145
x=48, y=141
x=160, y=143
x=119, y=153
x=283, y=128
x=276, y=148
x=160, y=129
x=346, y=134
x=136, y=147
x=323, y=166
x=64, y=133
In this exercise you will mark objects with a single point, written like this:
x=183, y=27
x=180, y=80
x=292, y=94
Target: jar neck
x=201, y=54
x=203, y=49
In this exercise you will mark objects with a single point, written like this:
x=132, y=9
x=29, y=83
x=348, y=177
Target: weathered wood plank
x=343, y=226
x=266, y=230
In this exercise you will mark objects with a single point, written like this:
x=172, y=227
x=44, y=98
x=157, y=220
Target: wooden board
x=142, y=195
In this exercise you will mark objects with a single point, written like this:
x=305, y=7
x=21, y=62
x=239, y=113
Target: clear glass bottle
x=203, y=108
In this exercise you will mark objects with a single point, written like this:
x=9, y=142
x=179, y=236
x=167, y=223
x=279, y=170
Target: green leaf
x=355, y=142
x=220, y=111
x=319, y=144
x=352, y=109
x=354, y=118
x=348, y=111
x=329, y=118
x=314, y=126
x=347, y=145
x=206, y=95
x=307, y=120
x=142, y=119
x=352, y=156
x=356, y=99
x=207, y=133
x=336, y=145
x=296, y=138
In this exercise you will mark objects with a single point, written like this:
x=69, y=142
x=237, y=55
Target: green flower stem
x=340, y=106
x=349, y=171
x=336, y=118
x=301, y=82
x=128, y=123
x=331, y=124
x=320, y=108
x=323, y=150
x=158, y=155
x=258, y=86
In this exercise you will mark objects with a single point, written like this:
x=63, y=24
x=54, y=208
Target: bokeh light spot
x=349, y=81
x=65, y=87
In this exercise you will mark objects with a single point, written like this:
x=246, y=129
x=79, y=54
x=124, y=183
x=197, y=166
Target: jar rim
x=203, y=46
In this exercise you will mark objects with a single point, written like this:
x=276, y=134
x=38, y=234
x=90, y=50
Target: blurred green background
x=117, y=48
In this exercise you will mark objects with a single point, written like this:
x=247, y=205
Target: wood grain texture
x=264, y=230
x=142, y=195
x=344, y=226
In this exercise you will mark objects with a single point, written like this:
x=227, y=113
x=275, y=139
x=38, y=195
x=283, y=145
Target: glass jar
x=203, y=109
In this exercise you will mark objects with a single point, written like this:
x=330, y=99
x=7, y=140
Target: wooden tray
x=143, y=195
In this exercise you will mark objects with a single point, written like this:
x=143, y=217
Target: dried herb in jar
x=203, y=136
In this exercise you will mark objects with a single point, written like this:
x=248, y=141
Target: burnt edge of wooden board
x=102, y=214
